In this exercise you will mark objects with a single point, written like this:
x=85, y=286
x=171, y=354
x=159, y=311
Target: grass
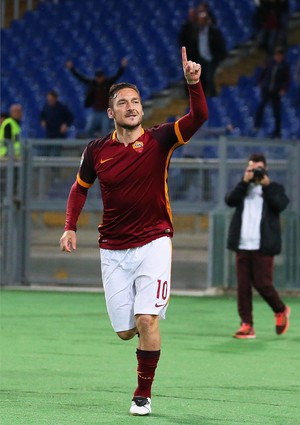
x=61, y=364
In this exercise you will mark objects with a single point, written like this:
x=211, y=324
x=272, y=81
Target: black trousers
x=255, y=270
x=275, y=100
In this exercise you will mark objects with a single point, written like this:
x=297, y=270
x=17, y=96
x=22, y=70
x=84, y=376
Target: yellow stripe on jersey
x=166, y=176
x=82, y=183
x=178, y=134
x=180, y=142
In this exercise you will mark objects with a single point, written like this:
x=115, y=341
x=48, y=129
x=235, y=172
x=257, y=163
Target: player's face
x=126, y=110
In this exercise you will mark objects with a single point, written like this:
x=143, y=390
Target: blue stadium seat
x=91, y=33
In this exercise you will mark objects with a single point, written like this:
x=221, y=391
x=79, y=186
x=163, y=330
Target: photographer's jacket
x=274, y=201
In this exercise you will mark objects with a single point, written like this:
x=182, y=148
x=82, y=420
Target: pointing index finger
x=183, y=55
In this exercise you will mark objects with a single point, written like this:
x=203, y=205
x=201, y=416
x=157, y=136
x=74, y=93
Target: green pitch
x=61, y=364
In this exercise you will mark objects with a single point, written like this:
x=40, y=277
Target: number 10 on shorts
x=162, y=290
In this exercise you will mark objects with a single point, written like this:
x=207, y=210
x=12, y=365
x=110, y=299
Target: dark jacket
x=188, y=37
x=216, y=44
x=97, y=94
x=274, y=202
x=55, y=116
x=274, y=77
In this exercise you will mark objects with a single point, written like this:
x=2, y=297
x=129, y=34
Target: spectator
x=56, y=118
x=3, y=117
x=274, y=81
x=10, y=129
x=204, y=7
x=211, y=51
x=255, y=236
x=97, y=97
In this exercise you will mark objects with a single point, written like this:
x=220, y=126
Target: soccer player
x=131, y=165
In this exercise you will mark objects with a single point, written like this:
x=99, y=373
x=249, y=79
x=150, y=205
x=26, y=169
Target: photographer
x=255, y=236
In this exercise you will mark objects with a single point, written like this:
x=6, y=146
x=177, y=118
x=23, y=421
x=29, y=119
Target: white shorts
x=136, y=281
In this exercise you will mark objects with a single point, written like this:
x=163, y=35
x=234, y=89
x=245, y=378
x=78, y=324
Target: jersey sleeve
x=76, y=201
x=85, y=178
x=190, y=123
x=86, y=174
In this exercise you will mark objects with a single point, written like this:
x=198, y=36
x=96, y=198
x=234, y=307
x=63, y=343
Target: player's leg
x=152, y=296
x=263, y=283
x=148, y=328
x=119, y=290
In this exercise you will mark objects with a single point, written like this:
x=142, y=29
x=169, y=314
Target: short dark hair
x=279, y=50
x=53, y=93
x=99, y=73
x=258, y=157
x=119, y=86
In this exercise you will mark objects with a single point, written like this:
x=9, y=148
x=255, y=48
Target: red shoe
x=246, y=331
x=282, y=321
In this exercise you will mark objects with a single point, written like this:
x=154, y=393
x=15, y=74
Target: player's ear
x=110, y=113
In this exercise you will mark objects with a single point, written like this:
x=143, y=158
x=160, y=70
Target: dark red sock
x=147, y=363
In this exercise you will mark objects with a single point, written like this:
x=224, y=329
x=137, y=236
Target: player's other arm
x=198, y=114
x=77, y=197
x=76, y=201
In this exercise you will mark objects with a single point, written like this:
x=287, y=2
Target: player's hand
x=68, y=241
x=191, y=70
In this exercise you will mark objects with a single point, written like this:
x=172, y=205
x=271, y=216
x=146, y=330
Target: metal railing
x=197, y=186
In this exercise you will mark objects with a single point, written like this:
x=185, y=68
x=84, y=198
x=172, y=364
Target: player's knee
x=126, y=335
x=146, y=322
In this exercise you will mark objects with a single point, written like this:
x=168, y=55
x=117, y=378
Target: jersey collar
x=115, y=139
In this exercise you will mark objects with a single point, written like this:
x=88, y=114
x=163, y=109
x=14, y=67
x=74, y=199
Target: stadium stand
x=35, y=48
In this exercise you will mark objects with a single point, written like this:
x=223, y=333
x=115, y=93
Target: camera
x=259, y=173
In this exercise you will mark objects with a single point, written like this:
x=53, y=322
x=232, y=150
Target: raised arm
x=198, y=114
x=191, y=70
x=78, y=75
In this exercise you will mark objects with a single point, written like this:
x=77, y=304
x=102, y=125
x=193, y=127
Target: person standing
x=56, y=118
x=97, y=97
x=212, y=51
x=255, y=236
x=3, y=117
x=131, y=166
x=274, y=81
x=10, y=129
x=10, y=132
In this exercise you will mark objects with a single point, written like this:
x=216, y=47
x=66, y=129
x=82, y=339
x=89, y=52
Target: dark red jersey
x=133, y=181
